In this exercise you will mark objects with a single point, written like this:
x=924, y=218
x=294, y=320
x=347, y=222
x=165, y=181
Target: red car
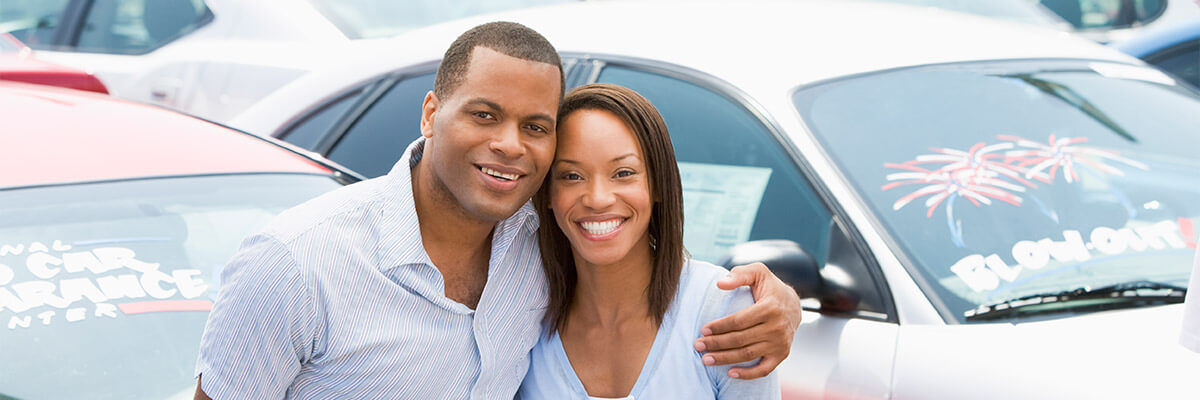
x=18, y=64
x=115, y=221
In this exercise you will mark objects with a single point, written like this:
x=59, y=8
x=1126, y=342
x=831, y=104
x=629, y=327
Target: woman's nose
x=599, y=195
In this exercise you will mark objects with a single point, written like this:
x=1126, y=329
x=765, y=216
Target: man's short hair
x=508, y=38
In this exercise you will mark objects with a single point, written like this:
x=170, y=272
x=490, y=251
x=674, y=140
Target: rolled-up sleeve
x=261, y=328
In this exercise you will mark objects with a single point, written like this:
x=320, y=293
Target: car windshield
x=1002, y=180
x=105, y=287
x=360, y=19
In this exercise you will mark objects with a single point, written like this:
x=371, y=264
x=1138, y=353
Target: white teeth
x=601, y=227
x=498, y=174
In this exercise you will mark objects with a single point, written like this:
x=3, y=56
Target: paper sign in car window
x=720, y=203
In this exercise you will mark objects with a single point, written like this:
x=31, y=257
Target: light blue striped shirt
x=672, y=369
x=337, y=299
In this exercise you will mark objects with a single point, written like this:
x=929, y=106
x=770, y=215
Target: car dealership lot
x=991, y=214
x=213, y=58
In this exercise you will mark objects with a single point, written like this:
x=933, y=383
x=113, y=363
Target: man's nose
x=507, y=141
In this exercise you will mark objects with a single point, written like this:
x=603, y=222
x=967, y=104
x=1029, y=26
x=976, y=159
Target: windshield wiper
x=1121, y=295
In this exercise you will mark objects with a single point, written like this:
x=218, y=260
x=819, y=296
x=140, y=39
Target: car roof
x=749, y=44
x=54, y=136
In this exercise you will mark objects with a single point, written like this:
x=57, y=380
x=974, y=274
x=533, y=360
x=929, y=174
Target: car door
x=742, y=185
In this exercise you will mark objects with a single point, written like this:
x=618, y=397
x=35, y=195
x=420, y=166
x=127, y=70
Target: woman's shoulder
x=699, y=289
x=698, y=274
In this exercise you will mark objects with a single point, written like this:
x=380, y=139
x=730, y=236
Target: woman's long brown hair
x=666, y=219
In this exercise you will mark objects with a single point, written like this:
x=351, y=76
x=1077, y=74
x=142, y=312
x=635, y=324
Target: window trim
x=1174, y=50
x=742, y=99
x=70, y=37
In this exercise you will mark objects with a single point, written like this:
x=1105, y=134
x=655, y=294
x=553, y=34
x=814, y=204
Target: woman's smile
x=600, y=192
x=601, y=229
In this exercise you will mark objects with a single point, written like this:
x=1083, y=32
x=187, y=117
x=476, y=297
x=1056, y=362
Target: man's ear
x=428, y=109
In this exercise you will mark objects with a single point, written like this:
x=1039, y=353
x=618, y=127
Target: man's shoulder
x=355, y=206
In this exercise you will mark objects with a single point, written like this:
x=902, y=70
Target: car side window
x=1106, y=14
x=1183, y=61
x=723, y=147
x=377, y=139
x=33, y=22
x=138, y=26
x=317, y=124
x=740, y=185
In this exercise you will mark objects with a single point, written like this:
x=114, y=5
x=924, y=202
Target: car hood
x=1116, y=354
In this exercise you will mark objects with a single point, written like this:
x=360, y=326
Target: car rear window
x=105, y=287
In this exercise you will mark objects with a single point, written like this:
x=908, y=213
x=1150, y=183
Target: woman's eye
x=571, y=176
x=625, y=173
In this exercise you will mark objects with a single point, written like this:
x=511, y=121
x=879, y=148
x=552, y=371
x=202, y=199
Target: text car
x=115, y=220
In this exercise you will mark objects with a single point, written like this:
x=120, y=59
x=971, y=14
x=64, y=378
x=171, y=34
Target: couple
x=429, y=282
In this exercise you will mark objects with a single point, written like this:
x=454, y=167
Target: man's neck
x=457, y=244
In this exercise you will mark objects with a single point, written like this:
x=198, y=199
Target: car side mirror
x=795, y=266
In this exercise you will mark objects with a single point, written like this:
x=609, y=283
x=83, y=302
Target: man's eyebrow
x=485, y=102
x=543, y=117
x=549, y=120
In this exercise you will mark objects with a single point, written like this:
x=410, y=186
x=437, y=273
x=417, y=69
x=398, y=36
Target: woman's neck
x=611, y=295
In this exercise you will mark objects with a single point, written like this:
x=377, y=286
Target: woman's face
x=600, y=188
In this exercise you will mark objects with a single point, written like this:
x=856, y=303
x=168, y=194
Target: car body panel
x=1118, y=354
x=247, y=50
x=18, y=64
x=117, y=220
x=975, y=38
x=103, y=155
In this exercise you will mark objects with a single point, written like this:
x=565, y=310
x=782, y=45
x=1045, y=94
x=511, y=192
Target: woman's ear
x=429, y=110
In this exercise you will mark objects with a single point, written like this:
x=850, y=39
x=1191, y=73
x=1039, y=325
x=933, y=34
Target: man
x=426, y=282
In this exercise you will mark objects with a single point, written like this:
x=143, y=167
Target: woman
x=625, y=302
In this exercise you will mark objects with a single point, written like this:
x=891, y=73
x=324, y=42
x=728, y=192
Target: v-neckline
x=648, y=366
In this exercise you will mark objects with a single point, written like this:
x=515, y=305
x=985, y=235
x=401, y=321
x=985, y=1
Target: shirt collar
x=410, y=249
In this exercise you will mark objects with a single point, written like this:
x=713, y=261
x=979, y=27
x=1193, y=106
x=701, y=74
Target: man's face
x=491, y=142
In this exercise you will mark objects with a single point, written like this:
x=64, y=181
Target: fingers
x=738, y=355
x=741, y=320
x=726, y=341
x=743, y=275
x=763, y=368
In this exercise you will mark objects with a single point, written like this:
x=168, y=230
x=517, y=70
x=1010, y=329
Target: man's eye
x=536, y=128
x=482, y=115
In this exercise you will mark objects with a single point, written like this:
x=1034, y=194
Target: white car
x=973, y=209
x=1115, y=20
x=214, y=58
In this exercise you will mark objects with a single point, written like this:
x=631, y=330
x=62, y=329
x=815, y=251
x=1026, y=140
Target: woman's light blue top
x=673, y=369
